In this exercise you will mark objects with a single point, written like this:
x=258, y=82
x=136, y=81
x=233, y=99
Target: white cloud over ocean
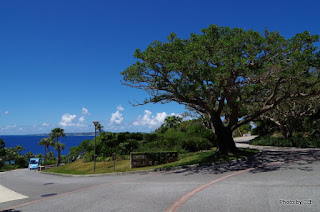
x=67, y=120
x=8, y=127
x=72, y=120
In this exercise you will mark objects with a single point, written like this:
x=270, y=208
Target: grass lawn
x=202, y=158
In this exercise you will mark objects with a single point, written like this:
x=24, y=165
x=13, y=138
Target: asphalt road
x=273, y=181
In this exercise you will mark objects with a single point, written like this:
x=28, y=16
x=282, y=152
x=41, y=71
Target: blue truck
x=34, y=163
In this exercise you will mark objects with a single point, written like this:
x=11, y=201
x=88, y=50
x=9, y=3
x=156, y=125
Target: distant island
x=68, y=134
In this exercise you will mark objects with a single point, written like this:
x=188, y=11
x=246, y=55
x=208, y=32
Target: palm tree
x=59, y=146
x=46, y=142
x=99, y=128
x=56, y=133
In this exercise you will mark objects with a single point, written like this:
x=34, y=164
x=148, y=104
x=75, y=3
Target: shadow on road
x=49, y=195
x=265, y=161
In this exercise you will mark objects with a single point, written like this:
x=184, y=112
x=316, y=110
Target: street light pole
x=95, y=134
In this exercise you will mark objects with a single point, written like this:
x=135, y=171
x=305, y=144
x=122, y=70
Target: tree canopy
x=228, y=72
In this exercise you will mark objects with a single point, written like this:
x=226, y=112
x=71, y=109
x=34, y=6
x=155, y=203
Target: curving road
x=281, y=180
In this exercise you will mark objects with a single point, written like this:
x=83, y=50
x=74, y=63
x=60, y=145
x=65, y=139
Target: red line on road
x=178, y=203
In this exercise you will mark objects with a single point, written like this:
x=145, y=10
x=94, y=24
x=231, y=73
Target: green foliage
x=46, y=142
x=299, y=141
x=56, y=133
x=99, y=127
x=106, y=144
x=2, y=144
x=194, y=144
x=29, y=155
x=150, y=137
x=264, y=127
x=170, y=122
x=135, y=136
x=187, y=136
x=227, y=72
x=129, y=146
x=14, y=153
x=88, y=156
x=2, y=152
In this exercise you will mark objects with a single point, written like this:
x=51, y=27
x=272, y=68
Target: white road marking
x=9, y=195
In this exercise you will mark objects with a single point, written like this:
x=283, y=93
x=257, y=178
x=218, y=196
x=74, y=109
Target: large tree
x=230, y=75
x=56, y=133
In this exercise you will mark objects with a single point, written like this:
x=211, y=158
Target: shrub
x=129, y=146
x=150, y=137
x=301, y=142
x=88, y=156
x=193, y=144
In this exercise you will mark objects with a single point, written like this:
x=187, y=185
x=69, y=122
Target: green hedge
x=290, y=142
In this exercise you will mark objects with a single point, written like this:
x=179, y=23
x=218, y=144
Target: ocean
x=30, y=142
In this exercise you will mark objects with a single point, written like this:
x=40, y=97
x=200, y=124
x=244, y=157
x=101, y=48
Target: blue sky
x=60, y=61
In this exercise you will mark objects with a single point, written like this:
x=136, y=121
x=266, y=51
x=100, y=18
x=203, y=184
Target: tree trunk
x=59, y=156
x=224, y=136
x=286, y=131
x=45, y=155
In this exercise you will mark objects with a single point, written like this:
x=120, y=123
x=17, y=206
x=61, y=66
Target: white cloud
x=6, y=112
x=82, y=119
x=85, y=112
x=45, y=124
x=67, y=120
x=151, y=121
x=117, y=118
x=9, y=127
x=120, y=108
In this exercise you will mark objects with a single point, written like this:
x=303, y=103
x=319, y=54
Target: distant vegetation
x=173, y=135
x=11, y=158
x=304, y=131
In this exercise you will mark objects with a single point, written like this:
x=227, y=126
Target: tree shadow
x=265, y=161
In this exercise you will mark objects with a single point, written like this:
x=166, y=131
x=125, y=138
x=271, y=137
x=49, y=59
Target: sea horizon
x=30, y=142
